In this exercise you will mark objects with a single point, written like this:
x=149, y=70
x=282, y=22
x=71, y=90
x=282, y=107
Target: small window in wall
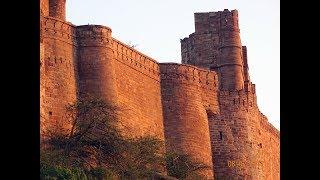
x=220, y=135
x=50, y=113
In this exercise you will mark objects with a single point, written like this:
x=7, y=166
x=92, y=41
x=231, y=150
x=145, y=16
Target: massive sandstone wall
x=249, y=146
x=244, y=145
x=58, y=73
x=210, y=114
x=230, y=135
x=138, y=87
x=266, y=147
x=77, y=60
x=185, y=117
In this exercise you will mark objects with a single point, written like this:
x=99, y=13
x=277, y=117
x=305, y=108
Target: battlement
x=188, y=74
x=201, y=16
x=243, y=99
x=93, y=35
x=186, y=39
x=216, y=21
x=94, y=30
x=120, y=46
x=58, y=29
x=268, y=126
x=135, y=59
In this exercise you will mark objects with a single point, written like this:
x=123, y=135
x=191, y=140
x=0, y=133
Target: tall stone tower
x=95, y=62
x=236, y=125
x=58, y=69
x=216, y=45
x=57, y=9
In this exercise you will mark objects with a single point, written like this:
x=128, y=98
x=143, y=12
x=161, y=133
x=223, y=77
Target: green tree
x=183, y=166
x=94, y=144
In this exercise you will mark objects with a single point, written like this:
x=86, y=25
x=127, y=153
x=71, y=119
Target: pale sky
x=156, y=27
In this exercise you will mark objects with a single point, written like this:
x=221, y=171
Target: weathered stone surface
x=244, y=144
x=206, y=107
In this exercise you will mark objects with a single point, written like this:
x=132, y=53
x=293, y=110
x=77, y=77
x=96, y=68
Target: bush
x=101, y=174
x=182, y=166
x=61, y=173
x=94, y=138
x=95, y=149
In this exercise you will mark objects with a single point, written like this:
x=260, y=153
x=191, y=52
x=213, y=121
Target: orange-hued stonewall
x=95, y=62
x=57, y=9
x=58, y=72
x=44, y=7
x=185, y=118
x=205, y=107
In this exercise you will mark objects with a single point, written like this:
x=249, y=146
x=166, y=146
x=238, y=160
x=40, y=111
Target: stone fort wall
x=205, y=107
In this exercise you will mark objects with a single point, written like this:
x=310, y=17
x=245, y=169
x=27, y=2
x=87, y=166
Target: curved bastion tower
x=244, y=144
x=205, y=107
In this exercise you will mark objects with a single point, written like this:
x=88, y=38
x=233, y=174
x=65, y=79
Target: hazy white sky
x=156, y=27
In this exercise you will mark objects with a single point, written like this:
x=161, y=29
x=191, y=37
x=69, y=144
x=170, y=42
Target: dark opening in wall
x=210, y=114
x=260, y=145
x=220, y=135
x=50, y=113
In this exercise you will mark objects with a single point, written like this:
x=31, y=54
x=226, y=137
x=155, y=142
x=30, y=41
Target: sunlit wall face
x=156, y=27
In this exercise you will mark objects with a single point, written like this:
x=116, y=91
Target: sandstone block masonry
x=205, y=107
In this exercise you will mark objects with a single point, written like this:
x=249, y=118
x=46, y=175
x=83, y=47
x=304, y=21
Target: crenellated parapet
x=215, y=22
x=135, y=59
x=268, y=126
x=54, y=28
x=244, y=99
x=229, y=20
x=94, y=35
x=187, y=74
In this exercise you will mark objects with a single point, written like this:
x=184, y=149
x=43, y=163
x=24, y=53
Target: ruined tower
x=57, y=9
x=235, y=126
x=216, y=45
